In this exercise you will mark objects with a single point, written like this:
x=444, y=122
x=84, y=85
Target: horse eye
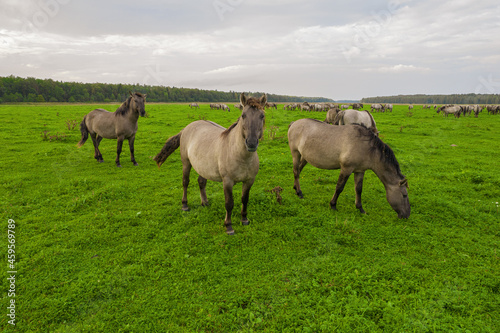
x=261, y=116
x=405, y=195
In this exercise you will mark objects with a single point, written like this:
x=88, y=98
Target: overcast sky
x=328, y=48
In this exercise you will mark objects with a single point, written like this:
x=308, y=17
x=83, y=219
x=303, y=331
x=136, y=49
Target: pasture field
x=107, y=249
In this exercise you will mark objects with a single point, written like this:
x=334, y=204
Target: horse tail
x=85, y=133
x=170, y=146
x=373, y=125
x=339, y=118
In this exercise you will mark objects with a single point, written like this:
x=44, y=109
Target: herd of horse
x=229, y=155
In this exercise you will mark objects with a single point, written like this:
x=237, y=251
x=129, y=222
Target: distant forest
x=16, y=89
x=436, y=99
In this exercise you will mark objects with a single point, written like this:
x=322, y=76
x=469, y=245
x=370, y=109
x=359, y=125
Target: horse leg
x=119, y=145
x=343, y=177
x=245, y=194
x=99, y=155
x=298, y=164
x=202, y=182
x=131, y=146
x=358, y=181
x=228, y=194
x=96, y=140
x=186, y=169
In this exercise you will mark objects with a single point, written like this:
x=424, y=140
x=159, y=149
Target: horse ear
x=243, y=99
x=131, y=93
x=404, y=182
x=263, y=100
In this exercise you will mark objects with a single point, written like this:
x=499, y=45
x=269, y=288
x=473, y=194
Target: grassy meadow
x=107, y=249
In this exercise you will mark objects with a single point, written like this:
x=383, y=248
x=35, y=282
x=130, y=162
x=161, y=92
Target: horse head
x=136, y=103
x=397, y=196
x=252, y=118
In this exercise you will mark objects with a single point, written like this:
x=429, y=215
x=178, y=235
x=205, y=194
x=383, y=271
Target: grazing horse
x=357, y=106
x=476, y=108
x=194, y=105
x=349, y=117
x=388, y=107
x=451, y=109
x=377, y=107
x=350, y=149
x=222, y=155
x=120, y=125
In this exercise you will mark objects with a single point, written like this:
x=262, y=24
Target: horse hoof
x=119, y=165
x=136, y=164
x=245, y=222
x=230, y=232
x=186, y=209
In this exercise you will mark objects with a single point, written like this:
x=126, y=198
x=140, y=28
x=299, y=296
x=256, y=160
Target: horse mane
x=123, y=109
x=377, y=145
x=230, y=128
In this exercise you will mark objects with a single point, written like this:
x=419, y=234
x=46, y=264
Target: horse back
x=102, y=123
x=328, y=147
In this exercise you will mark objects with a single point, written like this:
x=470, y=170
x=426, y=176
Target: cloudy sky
x=328, y=48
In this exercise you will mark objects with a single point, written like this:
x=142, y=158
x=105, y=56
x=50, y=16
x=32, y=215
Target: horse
x=357, y=106
x=331, y=114
x=451, y=109
x=194, y=105
x=352, y=148
x=120, y=125
x=476, y=108
x=222, y=155
x=377, y=107
x=347, y=117
x=388, y=107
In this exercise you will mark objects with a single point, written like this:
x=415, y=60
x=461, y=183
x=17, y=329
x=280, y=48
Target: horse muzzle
x=404, y=214
x=251, y=146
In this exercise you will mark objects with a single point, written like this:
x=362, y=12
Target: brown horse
x=351, y=148
x=222, y=155
x=120, y=125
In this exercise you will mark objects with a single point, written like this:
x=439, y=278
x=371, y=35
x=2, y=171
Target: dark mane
x=123, y=109
x=227, y=130
x=377, y=145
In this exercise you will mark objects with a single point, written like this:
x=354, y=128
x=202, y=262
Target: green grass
x=106, y=249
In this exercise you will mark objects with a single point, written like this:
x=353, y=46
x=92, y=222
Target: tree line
x=436, y=99
x=15, y=89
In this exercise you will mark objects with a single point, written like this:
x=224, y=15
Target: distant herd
x=333, y=108
x=229, y=155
